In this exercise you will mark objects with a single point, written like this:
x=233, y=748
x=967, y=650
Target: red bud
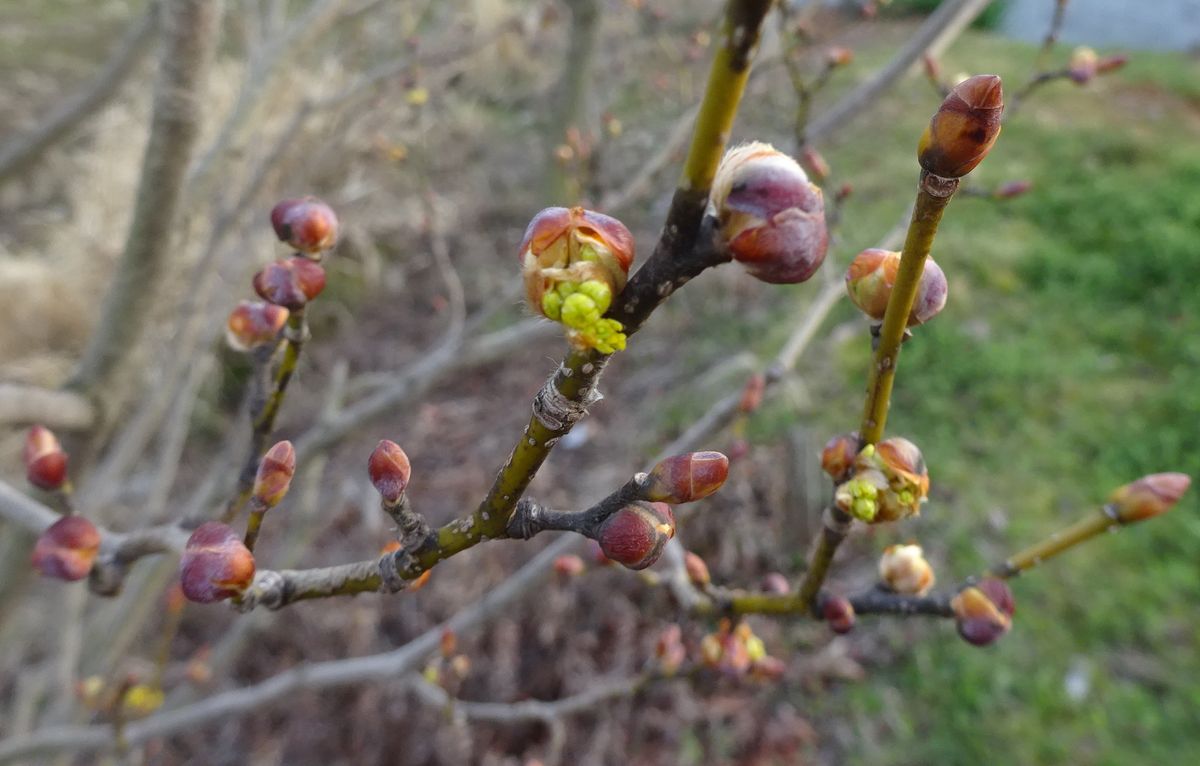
x=1010, y=189
x=253, y=324
x=697, y=570
x=839, y=613
x=1149, y=496
x=839, y=56
x=307, y=224
x=216, y=565
x=669, y=649
x=984, y=612
x=1111, y=63
x=275, y=474
x=67, y=549
x=839, y=454
x=45, y=461
x=569, y=565
x=290, y=283
x=964, y=128
x=635, y=535
x=689, y=477
x=752, y=394
x=390, y=471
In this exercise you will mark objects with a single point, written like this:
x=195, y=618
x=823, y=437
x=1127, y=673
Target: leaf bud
x=772, y=219
x=872, y=275
x=636, y=534
x=697, y=570
x=45, y=461
x=274, y=476
x=838, y=455
x=839, y=613
x=390, y=471
x=815, y=163
x=569, y=565
x=752, y=394
x=290, y=282
x=904, y=570
x=964, y=128
x=307, y=224
x=983, y=612
x=67, y=549
x=215, y=565
x=687, y=478
x=254, y=323
x=1149, y=496
x=574, y=262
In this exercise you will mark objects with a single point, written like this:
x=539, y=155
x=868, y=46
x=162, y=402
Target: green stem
x=1059, y=542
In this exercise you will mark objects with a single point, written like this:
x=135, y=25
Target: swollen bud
x=307, y=224
x=752, y=394
x=838, y=455
x=697, y=570
x=964, y=128
x=290, y=282
x=1149, y=496
x=569, y=565
x=983, y=612
x=66, y=550
x=390, y=471
x=215, y=565
x=686, y=478
x=1083, y=65
x=890, y=482
x=872, y=275
x=574, y=262
x=903, y=569
x=45, y=461
x=771, y=218
x=839, y=613
x=253, y=324
x=635, y=535
x=274, y=475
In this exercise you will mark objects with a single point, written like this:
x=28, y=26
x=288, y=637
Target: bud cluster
x=889, y=483
x=737, y=652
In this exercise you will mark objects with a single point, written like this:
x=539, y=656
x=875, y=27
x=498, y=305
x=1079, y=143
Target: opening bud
x=574, y=262
x=964, y=128
x=274, y=475
x=872, y=275
x=839, y=613
x=635, y=535
x=772, y=219
x=697, y=570
x=45, y=461
x=307, y=224
x=290, y=282
x=67, y=549
x=838, y=455
x=669, y=649
x=215, y=565
x=890, y=482
x=983, y=612
x=253, y=324
x=1083, y=65
x=1149, y=496
x=903, y=568
x=390, y=471
x=686, y=478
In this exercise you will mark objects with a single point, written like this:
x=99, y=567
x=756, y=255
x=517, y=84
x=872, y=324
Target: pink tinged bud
x=872, y=275
x=839, y=56
x=635, y=535
x=774, y=582
x=839, y=453
x=669, y=649
x=448, y=644
x=964, y=128
x=686, y=478
x=215, y=565
x=390, y=471
x=253, y=324
x=1111, y=63
x=274, y=475
x=569, y=565
x=771, y=218
x=45, y=461
x=290, y=283
x=752, y=394
x=1149, y=496
x=1083, y=66
x=66, y=550
x=573, y=245
x=983, y=612
x=815, y=163
x=903, y=569
x=307, y=224
x=1010, y=189
x=839, y=613
x=697, y=570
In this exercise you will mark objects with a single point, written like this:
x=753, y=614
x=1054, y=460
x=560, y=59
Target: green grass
x=1065, y=365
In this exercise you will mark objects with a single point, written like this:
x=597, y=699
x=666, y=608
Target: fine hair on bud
x=389, y=470
x=45, y=461
x=307, y=224
x=964, y=128
x=216, y=565
x=67, y=549
x=636, y=534
x=687, y=478
x=771, y=218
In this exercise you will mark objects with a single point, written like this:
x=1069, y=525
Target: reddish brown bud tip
x=839, y=454
x=573, y=245
x=689, y=477
x=45, y=461
x=636, y=535
x=697, y=570
x=1111, y=63
x=275, y=473
x=903, y=568
x=290, y=283
x=1149, y=496
x=772, y=219
x=569, y=565
x=421, y=581
x=964, y=128
x=752, y=394
x=448, y=644
x=933, y=68
x=215, y=564
x=839, y=613
x=815, y=163
x=838, y=56
x=774, y=582
x=983, y=612
x=1010, y=189
x=253, y=324
x=843, y=193
x=66, y=550
x=390, y=471
x=872, y=275
x=307, y=224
